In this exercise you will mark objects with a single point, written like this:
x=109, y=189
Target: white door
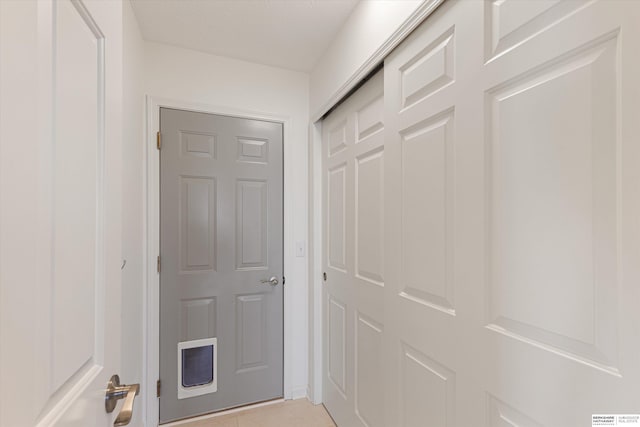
x=512, y=163
x=60, y=211
x=353, y=139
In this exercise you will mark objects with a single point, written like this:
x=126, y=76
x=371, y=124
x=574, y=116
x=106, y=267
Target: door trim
x=151, y=241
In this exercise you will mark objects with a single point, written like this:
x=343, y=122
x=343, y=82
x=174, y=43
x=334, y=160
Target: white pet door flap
x=197, y=367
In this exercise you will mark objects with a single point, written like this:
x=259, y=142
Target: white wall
x=194, y=77
x=132, y=214
x=367, y=29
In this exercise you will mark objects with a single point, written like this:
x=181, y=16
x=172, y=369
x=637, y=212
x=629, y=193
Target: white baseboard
x=298, y=392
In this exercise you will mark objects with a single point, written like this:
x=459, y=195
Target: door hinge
x=284, y=279
x=158, y=388
x=158, y=140
x=159, y=267
x=324, y=276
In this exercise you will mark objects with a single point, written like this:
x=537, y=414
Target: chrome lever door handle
x=117, y=391
x=272, y=281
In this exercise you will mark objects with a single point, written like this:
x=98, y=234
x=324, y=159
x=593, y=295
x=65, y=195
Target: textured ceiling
x=290, y=34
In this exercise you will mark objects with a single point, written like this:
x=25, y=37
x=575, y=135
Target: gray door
x=221, y=320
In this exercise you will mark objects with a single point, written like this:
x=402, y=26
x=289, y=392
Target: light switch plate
x=300, y=246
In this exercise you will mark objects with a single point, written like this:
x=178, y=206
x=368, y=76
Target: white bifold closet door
x=511, y=223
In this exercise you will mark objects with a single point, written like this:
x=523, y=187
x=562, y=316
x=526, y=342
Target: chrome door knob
x=273, y=281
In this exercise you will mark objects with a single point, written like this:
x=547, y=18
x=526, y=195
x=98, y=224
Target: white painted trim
x=315, y=261
x=151, y=249
x=410, y=24
x=298, y=393
x=315, y=200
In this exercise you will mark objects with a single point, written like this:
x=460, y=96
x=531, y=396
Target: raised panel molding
x=427, y=213
x=427, y=391
x=499, y=414
x=251, y=228
x=253, y=150
x=369, y=383
x=509, y=23
x=370, y=119
x=543, y=166
x=251, y=332
x=198, y=319
x=76, y=198
x=197, y=233
x=338, y=138
x=337, y=344
x=336, y=218
x=430, y=70
x=197, y=144
x=370, y=216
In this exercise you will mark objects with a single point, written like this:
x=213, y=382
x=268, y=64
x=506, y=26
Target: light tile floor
x=291, y=413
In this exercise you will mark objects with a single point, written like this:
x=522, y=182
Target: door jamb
x=316, y=264
x=151, y=241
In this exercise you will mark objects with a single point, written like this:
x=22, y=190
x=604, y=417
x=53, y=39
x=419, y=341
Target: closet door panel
x=353, y=171
x=510, y=154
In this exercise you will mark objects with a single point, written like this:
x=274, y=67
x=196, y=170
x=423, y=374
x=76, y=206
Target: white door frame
x=421, y=13
x=151, y=249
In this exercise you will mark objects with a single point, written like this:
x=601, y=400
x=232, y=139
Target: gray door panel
x=220, y=236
